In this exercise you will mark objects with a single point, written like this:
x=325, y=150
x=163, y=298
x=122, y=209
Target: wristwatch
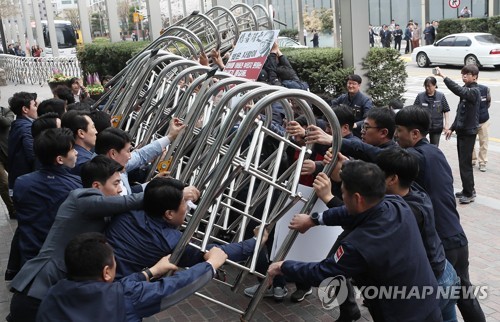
x=149, y=274
x=315, y=218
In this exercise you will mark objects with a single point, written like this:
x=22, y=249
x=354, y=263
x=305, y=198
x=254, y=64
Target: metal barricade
x=224, y=149
x=37, y=70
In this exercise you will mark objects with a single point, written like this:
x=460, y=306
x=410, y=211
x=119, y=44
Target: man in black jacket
x=465, y=125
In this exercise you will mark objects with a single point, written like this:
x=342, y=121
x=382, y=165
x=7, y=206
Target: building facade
x=382, y=11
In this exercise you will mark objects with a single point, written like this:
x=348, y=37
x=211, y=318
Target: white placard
x=315, y=244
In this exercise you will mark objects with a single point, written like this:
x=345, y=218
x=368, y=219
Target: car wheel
x=471, y=60
x=422, y=60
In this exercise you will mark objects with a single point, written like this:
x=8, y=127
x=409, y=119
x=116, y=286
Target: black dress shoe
x=461, y=194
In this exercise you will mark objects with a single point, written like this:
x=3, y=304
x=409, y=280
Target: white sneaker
x=250, y=291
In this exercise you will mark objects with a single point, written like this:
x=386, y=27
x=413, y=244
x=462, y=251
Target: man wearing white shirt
x=116, y=145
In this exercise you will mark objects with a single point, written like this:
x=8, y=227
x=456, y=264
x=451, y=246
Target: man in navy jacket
x=156, y=229
x=89, y=293
x=21, y=157
x=83, y=211
x=368, y=253
x=435, y=176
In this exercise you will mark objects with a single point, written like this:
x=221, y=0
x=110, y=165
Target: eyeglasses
x=366, y=127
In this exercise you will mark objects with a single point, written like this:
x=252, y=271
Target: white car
x=460, y=49
x=285, y=42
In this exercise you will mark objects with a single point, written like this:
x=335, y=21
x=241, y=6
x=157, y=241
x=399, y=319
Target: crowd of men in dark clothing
x=83, y=224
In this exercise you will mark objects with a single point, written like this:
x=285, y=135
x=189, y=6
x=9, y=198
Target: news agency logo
x=332, y=292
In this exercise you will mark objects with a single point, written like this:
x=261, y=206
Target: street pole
x=84, y=23
x=300, y=22
x=52, y=29
x=2, y=34
x=40, y=41
x=27, y=20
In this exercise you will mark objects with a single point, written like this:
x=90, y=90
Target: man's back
x=21, y=157
x=37, y=197
x=131, y=233
x=83, y=211
x=384, y=249
x=436, y=178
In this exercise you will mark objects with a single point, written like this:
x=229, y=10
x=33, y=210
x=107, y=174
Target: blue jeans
x=448, y=280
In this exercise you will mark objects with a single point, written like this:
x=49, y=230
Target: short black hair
x=471, y=68
x=80, y=106
x=396, y=104
x=44, y=122
x=52, y=143
x=400, y=162
x=102, y=120
x=111, y=138
x=86, y=255
x=354, y=78
x=414, y=117
x=99, y=169
x=75, y=120
x=64, y=92
x=73, y=80
x=20, y=100
x=430, y=80
x=162, y=194
x=384, y=118
x=364, y=178
x=345, y=115
x=52, y=105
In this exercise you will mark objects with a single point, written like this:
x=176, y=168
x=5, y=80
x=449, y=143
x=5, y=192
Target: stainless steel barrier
x=224, y=149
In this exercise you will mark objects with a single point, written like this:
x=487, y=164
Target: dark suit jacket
x=83, y=211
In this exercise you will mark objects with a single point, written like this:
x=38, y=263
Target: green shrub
x=321, y=68
x=453, y=26
x=387, y=75
x=290, y=33
x=494, y=25
x=107, y=58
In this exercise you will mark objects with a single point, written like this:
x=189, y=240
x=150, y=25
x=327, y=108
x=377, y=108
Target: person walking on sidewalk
x=465, y=125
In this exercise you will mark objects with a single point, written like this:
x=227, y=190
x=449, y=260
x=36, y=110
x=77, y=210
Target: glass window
x=488, y=39
x=416, y=12
x=479, y=8
x=436, y=10
x=448, y=41
x=374, y=12
x=462, y=41
x=400, y=12
x=385, y=12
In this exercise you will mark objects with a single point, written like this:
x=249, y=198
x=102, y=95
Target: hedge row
x=108, y=58
x=321, y=68
x=453, y=26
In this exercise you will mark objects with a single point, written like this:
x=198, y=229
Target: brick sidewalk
x=479, y=220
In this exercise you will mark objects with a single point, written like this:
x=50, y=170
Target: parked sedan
x=460, y=49
x=285, y=42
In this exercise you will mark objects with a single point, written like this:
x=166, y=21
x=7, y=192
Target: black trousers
x=23, y=308
x=465, y=146
x=470, y=308
x=14, y=263
x=408, y=47
x=434, y=138
x=397, y=43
